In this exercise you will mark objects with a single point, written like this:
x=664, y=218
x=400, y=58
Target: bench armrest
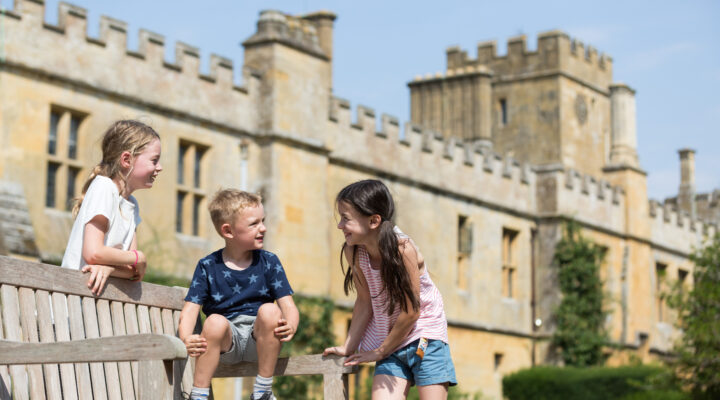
x=296, y=365
x=114, y=348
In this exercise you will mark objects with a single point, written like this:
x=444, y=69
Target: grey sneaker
x=265, y=396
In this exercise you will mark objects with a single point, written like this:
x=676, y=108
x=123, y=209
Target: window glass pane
x=179, y=212
x=72, y=139
x=71, y=181
x=196, y=215
x=50, y=186
x=52, y=133
x=503, y=111
x=196, y=172
x=181, y=164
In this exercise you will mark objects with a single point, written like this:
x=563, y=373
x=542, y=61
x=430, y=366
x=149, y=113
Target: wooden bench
x=58, y=341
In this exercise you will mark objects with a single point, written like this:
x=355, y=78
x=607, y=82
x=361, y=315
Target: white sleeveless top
x=432, y=323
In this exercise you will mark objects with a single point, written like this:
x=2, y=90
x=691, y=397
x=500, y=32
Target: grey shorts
x=243, y=346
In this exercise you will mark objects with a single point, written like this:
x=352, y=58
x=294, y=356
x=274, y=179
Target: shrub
x=595, y=383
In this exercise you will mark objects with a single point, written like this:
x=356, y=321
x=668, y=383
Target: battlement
x=297, y=32
x=707, y=206
x=588, y=185
x=565, y=191
x=108, y=64
x=675, y=228
x=465, y=169
x=556, y=53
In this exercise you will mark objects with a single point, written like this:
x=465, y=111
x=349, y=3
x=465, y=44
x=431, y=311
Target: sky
x=668, y=51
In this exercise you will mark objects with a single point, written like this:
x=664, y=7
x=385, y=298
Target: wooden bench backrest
x=44, y=303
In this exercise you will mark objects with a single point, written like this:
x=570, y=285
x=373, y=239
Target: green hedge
x=594, y=383
x=658, y=395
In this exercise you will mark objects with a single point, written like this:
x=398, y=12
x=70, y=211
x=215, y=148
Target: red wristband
x=136, y=258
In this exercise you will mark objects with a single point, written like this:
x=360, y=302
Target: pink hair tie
x=136, y=258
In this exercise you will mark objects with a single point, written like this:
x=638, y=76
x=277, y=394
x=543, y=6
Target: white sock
x=261, y=386
x=199, y=393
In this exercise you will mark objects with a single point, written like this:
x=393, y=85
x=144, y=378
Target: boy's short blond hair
x=227, y=203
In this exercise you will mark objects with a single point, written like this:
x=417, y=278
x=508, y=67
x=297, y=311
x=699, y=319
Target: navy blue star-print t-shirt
x=229, y=292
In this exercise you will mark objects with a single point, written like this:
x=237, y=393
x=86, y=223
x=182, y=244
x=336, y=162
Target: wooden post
x=335, y=386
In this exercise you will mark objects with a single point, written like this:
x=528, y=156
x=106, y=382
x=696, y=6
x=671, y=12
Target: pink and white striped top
x=432, y=323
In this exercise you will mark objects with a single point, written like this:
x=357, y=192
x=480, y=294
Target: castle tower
x=548, y=106
x=623, y=149
x=686, y=193
x=293, y=57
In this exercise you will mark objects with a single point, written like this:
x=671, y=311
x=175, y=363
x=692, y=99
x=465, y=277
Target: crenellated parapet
x=708, y=206
x=106, y=63
x=381, y=146
x=565, y=191
x=675, y=228
x=556, y=53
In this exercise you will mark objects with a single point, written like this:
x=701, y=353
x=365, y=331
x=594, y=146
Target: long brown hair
x=125, y=135
x=370, y=197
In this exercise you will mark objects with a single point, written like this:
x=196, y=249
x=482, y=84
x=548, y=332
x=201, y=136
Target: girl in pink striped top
x=398, y=320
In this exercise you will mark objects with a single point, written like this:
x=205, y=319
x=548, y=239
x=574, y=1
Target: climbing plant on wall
x=580, y=316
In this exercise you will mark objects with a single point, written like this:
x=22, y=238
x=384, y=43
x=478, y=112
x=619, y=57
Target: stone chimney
x=686, y=193
x=623, y=150
x=324, y=22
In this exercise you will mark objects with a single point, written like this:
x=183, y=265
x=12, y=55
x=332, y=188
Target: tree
x=580, y=333
x=698, y=350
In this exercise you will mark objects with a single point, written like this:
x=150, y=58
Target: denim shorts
x=243, y=346
x=435, y=368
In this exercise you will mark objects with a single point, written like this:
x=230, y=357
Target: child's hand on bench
x=195, y=345
x=98, y=277
x=284, y=330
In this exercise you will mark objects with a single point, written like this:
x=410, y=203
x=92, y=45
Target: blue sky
x=668, y=51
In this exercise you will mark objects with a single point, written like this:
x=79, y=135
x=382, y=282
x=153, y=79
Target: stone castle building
x=500, y=151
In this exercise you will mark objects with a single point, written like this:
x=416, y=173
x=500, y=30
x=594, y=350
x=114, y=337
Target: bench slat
x=47, y=335
x=143, y=319
x=62, y=334
x=156, y=320
x=112, y=379
x=168, y=323
x=169, y=328
x=10, y=311
x=97, y=371
x=134, y=347
x=77, y=332
x=131, y=326
x=297, y=365
x=22, y=273
x=4, y=373
x=126, y=382
x=188, y=366
x=29, y=327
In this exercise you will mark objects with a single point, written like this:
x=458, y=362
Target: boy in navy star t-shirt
x=237, y=288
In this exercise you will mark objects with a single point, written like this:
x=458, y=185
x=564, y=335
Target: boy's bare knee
x=269, y=313
x=215, y=327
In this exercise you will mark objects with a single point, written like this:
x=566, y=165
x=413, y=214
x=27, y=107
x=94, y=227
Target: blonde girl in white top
x=103, y=240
